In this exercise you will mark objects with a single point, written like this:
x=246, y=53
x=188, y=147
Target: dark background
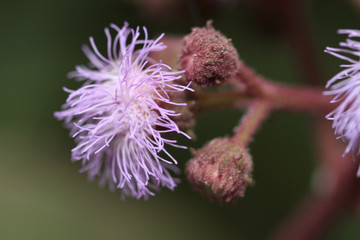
x=42, y=195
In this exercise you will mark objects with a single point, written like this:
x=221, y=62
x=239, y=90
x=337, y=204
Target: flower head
x=346, y=88
x=221, y=170
x=117, y=117
x=208, y=57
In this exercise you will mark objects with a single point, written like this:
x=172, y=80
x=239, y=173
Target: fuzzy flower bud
x=208, y=57
x=221, y=170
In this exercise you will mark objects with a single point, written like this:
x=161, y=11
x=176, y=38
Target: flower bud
x=221, y=170
x=208, y=57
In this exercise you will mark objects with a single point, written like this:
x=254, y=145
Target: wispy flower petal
x=117, y=118
x=345, y=86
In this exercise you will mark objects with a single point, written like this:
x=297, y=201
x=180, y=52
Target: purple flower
x=117, y=117
x=346, y=88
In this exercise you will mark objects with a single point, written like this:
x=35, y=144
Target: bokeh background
x=42, y=195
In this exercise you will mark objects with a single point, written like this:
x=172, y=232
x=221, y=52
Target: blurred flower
x=117, y=118
x=346, y=88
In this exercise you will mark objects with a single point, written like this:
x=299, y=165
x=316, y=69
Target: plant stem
x=219, y=100
x=335, y=190
x=280, y=97
x=256, y=114
x=313, y=217
x=296, y=98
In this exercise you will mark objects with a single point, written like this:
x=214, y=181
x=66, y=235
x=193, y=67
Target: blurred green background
x=42, y=195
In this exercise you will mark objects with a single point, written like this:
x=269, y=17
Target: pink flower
x=346, y=88
x=117, y=118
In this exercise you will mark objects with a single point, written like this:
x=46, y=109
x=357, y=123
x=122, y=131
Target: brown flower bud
x=221, y=170
x=208, y=57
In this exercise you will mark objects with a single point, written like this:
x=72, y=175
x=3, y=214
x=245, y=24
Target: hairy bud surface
x=208, y=57
x=221, y=170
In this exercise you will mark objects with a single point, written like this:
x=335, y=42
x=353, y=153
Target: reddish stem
x=336, y=191
x=256, y=114
x=296, y=98
x=257, y=88
x=219, y=100
x=313, y=217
